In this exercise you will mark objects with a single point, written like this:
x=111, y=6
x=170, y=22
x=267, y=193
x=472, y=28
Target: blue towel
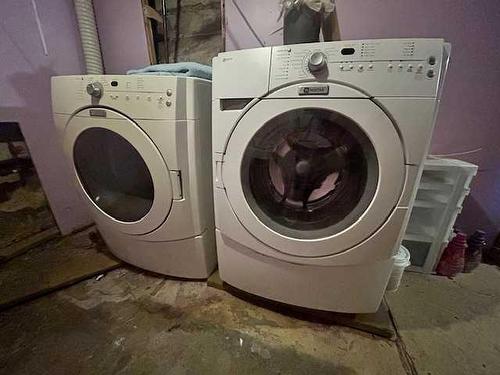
x=184, y=69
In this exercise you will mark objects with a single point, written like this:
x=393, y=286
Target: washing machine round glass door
x=121, y=173
x=315, y=177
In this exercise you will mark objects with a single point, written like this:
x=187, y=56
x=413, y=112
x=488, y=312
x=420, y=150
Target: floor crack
x=406, y=359
x=158, y=287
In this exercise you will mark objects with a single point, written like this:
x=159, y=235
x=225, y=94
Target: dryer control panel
x=146, y=97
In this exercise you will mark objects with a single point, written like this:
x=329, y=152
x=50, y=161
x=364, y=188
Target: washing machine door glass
x=313, y=177
x=309, y=173
x=113, y=174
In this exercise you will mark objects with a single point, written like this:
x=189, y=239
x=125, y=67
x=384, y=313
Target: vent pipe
x=88, y=34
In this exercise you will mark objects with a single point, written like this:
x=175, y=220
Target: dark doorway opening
x=24, y=209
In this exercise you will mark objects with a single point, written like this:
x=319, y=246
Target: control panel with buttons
x=394, y=65
x=114, y=90
x=137, y=96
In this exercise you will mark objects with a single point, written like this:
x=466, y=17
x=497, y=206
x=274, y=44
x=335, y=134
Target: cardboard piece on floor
x=26, y=244
x=53, y=265
x=379, y=323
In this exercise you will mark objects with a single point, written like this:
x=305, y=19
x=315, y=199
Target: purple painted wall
x=25, y=74
x=121, y=34
x=263, y=17
x=470, y=109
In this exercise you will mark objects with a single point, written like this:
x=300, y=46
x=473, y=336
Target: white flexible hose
x=88, y=34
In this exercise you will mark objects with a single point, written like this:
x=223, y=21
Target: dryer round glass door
x=113, y=174
x=313, y=177
x=309, y=173
x=120, y=171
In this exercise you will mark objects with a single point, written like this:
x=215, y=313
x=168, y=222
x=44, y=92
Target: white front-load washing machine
x=318, y=149
x=138, y=148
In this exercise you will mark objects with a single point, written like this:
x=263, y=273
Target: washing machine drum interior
x=309, y=173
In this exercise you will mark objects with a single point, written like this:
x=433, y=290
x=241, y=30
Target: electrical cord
x=457, y=153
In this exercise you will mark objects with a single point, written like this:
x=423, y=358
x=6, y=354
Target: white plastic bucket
x=401, y=261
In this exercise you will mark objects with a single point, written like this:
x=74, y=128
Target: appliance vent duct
x=88, y=34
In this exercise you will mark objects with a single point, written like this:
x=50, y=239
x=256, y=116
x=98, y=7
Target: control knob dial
x=95, y=89
x=317, y=62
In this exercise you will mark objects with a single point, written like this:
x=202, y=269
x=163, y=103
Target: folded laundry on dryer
x=184, y=69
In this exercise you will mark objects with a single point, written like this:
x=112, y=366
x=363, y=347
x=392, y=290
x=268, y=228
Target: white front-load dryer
x=318, y=149
x=138, y=148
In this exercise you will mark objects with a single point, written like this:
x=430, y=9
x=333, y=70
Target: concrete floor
x=450, y=326
x=129, y=322
x=25, y=213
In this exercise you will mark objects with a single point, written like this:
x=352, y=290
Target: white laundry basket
x=401, y=261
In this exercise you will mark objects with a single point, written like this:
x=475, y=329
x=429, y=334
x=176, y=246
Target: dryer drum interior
x=309, y=173
x=113, y=174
